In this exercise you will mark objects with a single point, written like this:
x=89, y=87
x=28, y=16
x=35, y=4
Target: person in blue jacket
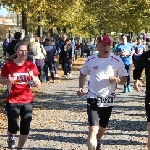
x=6, y=41
x=125, y=51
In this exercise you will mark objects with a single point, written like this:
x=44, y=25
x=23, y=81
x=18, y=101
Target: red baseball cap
x=104, y=39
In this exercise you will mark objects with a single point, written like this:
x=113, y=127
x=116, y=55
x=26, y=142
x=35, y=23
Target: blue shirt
x=127, y=60
x=138, y=50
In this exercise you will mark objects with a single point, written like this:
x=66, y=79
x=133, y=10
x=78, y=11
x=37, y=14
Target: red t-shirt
x=19, y=91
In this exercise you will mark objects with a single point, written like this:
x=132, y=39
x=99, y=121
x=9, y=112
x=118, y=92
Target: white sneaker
x=57, y=76
x=65, y=76
x=70, y=75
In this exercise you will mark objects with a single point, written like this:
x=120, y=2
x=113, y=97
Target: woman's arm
x=35, y=79
x=6, y=81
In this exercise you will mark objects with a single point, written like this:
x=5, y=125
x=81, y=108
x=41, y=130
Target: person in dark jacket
x=6, y=41
x=144, y=63
x=10, y=48
x=66, y=58
x=50, y=55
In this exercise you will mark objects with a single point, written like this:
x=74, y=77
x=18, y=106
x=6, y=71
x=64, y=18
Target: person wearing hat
x=125, y=51
x=105, y=71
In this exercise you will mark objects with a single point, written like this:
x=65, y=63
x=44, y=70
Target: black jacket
x=144, y=62
x=66, y=53
x=10, y=49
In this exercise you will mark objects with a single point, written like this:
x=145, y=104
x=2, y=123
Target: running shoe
x=57, y=76
x=98, y=145
x=129, y=88
x=11, y=141
x=125, y=90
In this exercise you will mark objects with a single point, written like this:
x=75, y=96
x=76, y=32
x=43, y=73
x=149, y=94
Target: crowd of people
x=45, y=52
x=29, y=64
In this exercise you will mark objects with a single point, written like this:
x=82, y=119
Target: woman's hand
x=10, y=79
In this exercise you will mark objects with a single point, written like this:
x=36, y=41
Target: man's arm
x=117, y=51
x=139, y=68
x=82, y=79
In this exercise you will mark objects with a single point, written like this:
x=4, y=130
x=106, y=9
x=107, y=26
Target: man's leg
x=104, y=115
x=46, y=71
x=101, y=132
x=92, y=141
x=93, y=120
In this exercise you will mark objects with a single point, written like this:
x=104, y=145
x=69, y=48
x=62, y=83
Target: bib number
x=105, y=101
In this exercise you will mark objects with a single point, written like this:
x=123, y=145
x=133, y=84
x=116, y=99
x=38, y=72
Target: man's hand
x=80, y=92
x=136, y=85
x=112, y=79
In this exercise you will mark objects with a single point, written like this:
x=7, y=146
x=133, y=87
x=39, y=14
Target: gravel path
x=60, y=120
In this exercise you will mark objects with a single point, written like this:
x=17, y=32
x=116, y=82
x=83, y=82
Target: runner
x=144, y=63
x=105, y=70
x=125, y=51
x=139, y=49
x=17, y=74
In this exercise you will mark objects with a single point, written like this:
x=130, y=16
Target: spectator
x=50, y=56
x=5, y=43
x=10, y=48
x=31, y=52
x=66, y=58
x=39, y=58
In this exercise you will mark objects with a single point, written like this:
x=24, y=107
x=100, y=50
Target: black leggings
x=40, y=69
x=25, y=113
x=129, y=69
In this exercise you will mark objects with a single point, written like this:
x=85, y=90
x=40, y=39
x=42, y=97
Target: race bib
x=105, y=101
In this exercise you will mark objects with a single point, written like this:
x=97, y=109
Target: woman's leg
x=13, y=111
x=55, y=67
x=26, y=117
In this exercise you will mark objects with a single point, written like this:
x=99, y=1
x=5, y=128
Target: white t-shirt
x=100, y=69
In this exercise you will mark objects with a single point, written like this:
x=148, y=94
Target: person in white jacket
x=40, y=57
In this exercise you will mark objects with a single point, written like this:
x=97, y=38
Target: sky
x=3, y=11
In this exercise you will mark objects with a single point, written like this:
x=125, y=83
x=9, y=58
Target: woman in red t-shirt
x=17, y=75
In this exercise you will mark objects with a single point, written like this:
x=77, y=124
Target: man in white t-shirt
x=105, y=70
